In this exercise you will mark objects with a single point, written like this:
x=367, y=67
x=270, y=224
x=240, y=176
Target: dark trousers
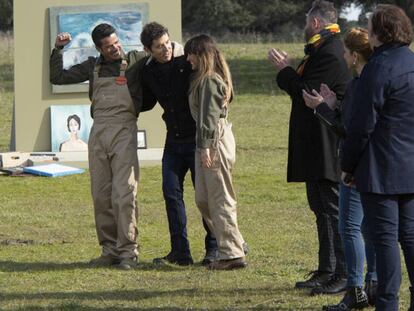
x=323, y=201
x=390, y=219
x=177, y=159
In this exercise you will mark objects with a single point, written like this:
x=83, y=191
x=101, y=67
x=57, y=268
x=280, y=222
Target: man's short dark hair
x=391, y=24
x=100, y=32
x=152, y=31
x=325, y=10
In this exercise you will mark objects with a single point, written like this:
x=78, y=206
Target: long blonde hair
x=210, y=61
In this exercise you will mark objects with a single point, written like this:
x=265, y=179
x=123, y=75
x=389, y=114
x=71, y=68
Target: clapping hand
x=279, y=59
x=312, y=101
x=315, y=99
x=329, y=96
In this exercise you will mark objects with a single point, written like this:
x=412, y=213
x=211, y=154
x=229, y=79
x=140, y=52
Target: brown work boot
x=210, y=257
x=103, y=261
x=127, y=263
x=228, y=264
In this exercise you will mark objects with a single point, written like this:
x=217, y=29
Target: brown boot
x=127, y=263
x=228, y=264
x=103, y=261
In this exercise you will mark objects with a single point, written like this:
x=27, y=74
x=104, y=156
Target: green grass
x=6, y=89
x=47, y=231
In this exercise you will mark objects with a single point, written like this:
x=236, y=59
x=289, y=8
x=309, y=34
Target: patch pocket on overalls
x=108, y=96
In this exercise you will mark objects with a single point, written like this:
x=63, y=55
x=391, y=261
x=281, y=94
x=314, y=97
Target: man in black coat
x=313, y=148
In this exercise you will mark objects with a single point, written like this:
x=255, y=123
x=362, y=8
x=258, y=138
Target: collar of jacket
x=178, y=50
x=386, y=47
x=317, y=40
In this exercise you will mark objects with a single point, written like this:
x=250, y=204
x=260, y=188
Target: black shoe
x=355, y=298
x=412, y=299
x=170, y=258
x=371, y=290
x=317, y=278
x=335, y=285
x=211, y=255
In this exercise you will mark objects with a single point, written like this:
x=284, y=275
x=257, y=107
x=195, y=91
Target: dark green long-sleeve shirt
x=84, y=72
x=207, y=107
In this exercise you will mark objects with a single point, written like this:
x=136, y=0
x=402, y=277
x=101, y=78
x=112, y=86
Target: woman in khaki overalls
x=211, y=91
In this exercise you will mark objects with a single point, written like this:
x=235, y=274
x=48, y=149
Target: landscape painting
x=79, y=21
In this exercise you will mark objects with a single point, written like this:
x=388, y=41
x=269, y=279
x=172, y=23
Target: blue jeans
x=177, y=159
x=351, y=224
x=391, y=220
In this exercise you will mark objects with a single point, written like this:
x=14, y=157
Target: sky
x=352, y=12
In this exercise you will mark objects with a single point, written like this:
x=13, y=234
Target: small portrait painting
x=70, y=127
x=74, y=142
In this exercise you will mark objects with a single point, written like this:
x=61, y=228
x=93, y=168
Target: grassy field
x=47, y=232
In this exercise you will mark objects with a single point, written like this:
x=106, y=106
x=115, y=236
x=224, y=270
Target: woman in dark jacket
x=337, y=117
x=379, y=149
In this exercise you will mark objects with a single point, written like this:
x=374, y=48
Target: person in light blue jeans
x=351, y=225
x=357, y=51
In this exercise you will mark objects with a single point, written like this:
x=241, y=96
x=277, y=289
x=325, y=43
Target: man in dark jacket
x=313, y=149
x=379, y=149
x=165, y=78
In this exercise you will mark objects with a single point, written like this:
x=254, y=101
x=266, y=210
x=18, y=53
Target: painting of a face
x=73, y=126
x=69, y=121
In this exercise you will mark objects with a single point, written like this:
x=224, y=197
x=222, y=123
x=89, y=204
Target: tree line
x=284, y=18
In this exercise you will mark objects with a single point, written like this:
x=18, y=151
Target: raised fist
x=62, y=39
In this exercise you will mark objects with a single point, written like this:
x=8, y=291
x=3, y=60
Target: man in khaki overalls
x=112, y=145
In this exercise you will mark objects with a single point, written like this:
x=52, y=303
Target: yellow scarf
x=331, y=29
x=315, y=41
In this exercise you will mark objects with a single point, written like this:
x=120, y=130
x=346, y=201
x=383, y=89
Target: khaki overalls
x=113, y=164
x=214, y=193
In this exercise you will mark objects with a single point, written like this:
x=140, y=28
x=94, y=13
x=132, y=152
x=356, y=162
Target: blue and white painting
x=64, y=135
x=127, y=18
x=80, y=25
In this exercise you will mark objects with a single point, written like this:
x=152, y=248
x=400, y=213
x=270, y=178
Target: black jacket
x=313, y=148
x=168, y=84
